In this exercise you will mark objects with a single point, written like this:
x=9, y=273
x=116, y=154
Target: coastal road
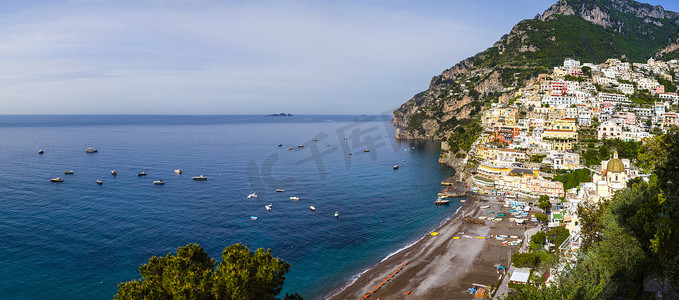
x=503, y=290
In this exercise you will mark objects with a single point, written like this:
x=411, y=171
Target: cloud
x=227, y=57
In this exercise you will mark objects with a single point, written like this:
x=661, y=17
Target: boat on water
x=366, y=150
x=312, y=208
x=141, y=174
x=395, y=167
x=336, y=215
x=253, y=195
x=114, y=173
x=294, y=198
x=56, y=180
x=463, y=200
x=280, y=190
x=178, y=171
x=441, y=200
x=280, y=145
x=268, y=207
x=350, y=153
x=253, y=218
x=485, y=206
x=159, y=182
x=99, y=182
x=200, y=178
x=289, y=148
x=41, y=152
x=69, y=172
x=91, y=150
x=300, y=146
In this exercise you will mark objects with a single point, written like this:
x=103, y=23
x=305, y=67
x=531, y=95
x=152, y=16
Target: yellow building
x=565, y=124
x=560, y=139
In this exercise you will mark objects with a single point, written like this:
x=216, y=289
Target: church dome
x=615, y=164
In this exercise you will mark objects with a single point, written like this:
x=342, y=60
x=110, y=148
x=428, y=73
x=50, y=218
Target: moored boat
x=41, y=152
x=56, y=180
x=280, y=190
x=178, y=171
x=336, y=215
x=141, y=174
x=200, y=178
x=280, y=145
x=253, y=218
x=312, y=208
x=294, y=198
x=395, y=167
x=289, y=148
x=268, y=207
x=159, y=182
x=253, y=195
x=366, y=150
x=69, y=172
x=114, y=173
x=441, y=200
x=300, y=146
x=99, y=182
x=91, y=150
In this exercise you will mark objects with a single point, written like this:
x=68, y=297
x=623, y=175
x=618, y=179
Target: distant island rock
x=279, y=115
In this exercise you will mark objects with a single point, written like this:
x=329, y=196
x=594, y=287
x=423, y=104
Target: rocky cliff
x=588, y=30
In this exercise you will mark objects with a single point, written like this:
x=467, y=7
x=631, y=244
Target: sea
x=79, y=240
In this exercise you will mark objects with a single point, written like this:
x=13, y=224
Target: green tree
x=672, y=271
x=191, y=274
x=591, y=224
x=557, y=235
x=541, y=217
x=522, y=260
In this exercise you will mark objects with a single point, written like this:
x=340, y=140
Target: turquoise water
x=78, y=240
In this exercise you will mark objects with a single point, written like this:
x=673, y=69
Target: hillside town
x=555, y=127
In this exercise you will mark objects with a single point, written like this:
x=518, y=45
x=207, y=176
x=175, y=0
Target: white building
x=609, y=130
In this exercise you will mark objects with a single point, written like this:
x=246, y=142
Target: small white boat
x=99, y=182
x=178, y=171
x=294, y=198
x=268, y=207
x=442, y=200
x=312, y=208
x=485, y=206
x=91, y=150
x=200, y=178
x=280, y=190
x=141, y=174
x=159, y=182
x=336, y=215
x=395, y=167
x=253, y=218
x=253, y=195
x=289, y=148
x=56, y=180
x=366, y=150
x=114, y=173
x=41, y=152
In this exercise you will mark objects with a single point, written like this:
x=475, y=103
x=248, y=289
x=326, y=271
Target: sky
x=238, y=57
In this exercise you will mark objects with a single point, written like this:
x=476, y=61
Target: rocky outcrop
x=600, y=12
x=669, y=48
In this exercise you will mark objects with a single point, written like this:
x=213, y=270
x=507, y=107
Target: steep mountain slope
x=587, y=30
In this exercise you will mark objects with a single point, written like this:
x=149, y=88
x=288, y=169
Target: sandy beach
x=443, y=266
